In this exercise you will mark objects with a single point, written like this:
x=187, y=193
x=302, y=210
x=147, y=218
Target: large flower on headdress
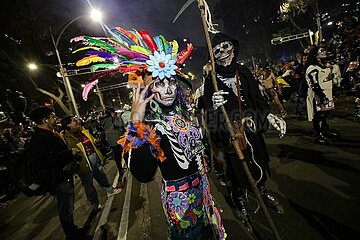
x=161, y=65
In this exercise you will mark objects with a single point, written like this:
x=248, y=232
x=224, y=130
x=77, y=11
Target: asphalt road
x=317, y=186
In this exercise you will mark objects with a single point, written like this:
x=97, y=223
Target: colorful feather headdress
x=131, y=52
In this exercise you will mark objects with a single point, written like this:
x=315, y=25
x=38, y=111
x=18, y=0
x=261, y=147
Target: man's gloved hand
x=278, y=123
x=249, y=123
x=218, y=99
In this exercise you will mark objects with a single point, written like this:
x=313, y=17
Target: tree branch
x=57, y=99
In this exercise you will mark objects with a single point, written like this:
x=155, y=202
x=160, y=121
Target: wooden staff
x=201, y=6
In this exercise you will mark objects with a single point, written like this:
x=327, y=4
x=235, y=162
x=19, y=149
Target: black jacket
x=49, y=152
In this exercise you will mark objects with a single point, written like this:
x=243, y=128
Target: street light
x=32, y=66
x=63, y=72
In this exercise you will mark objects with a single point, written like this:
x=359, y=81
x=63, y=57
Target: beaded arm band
x=138, y=134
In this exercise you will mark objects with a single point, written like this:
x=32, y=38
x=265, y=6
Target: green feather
x=165, y=43
x=101, y=44
x=96, y=67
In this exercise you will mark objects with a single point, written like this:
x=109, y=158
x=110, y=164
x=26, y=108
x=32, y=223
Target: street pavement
x=317, y=186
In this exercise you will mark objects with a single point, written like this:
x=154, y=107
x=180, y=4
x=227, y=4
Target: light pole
x=63, y=71
x=318, y=21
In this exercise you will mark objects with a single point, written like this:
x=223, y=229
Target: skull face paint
x=165, y=91
x=224, y=53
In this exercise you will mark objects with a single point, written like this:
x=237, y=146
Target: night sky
x=155, y=16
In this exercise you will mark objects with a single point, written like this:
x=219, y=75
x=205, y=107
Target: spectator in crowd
x=125, y=116
x=114, y=129
x=90, y=166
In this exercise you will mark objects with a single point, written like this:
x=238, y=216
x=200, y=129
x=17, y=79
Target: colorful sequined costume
x=174, y=145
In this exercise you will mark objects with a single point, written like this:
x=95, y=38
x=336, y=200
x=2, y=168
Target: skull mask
x=224, y=53
x=165, y=91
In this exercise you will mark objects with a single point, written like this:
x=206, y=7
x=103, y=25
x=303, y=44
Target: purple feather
x=140, y=59
x=137, y=142
x=105, y=55
x=169, y=50
x=119, y=58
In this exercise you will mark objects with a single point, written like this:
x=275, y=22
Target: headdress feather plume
x=87, y=89
x=174, y=48
x=128, y=34
x=164, y=43
x=141, y=40
x=158, y=43
x=130, y=52
x=101, y=44
x=124, y=36
x=148, y=39
x=184, y=54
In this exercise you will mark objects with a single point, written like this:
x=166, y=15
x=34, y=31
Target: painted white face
x=165, y=91
x=321, y=53
x=224, y=53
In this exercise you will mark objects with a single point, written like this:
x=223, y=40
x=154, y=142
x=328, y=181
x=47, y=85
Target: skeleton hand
x=249, y=123
x=278, y=123
x=218, y=99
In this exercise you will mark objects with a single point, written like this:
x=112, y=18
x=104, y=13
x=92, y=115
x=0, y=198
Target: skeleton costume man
x=319, y=99
x=255, y=115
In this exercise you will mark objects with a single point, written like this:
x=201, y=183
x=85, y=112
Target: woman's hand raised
x=139, y=103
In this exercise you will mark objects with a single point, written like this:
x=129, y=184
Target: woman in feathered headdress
x=161, y=133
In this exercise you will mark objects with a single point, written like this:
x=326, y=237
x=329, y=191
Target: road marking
x=105, y=212
x=124, y=222
x=146, y=221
